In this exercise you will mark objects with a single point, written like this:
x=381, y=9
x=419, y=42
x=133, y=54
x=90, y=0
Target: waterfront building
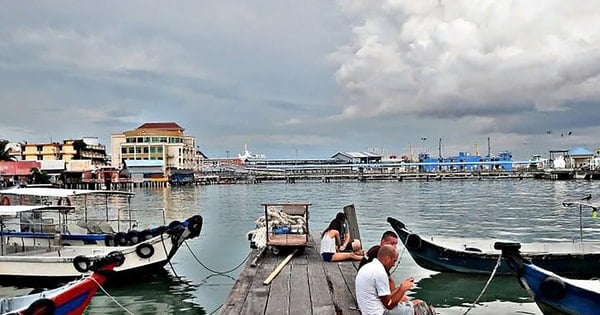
x=160, y=144
x=87, y=148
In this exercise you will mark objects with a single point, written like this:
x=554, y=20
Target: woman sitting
x=330, y=244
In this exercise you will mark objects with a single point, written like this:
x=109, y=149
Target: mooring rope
x=216, y=271
x=111, y=297
x=486, y=285
x=400, y=256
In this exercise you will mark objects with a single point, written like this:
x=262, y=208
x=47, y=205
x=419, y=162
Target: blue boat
x=552, y=293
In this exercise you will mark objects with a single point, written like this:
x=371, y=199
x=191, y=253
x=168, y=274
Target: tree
x=4, y=154
x=38, y=177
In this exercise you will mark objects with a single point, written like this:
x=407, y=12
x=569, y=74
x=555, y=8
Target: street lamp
x=423, y=140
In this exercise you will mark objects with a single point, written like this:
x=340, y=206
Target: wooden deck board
x=279, y=295
x=306, y=285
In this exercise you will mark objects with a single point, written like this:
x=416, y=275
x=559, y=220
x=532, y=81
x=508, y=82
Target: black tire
x=145, y=235
x=173, y=224
x=109, y=240
x=413, y=241
x=144, y=250
x=82, y=264
x=41, y=307
x=120, y=239
x=134, y=237
x=117, y=257
x=195, y=225
x=552, y=288
x=159, y=230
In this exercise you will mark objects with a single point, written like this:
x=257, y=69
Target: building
x=87, y=148
x=164, y=142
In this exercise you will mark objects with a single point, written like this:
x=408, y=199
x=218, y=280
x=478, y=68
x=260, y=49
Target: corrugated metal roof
x=360, y=154
x=580, y=151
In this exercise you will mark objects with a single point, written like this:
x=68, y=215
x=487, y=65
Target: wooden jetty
x=306, y=285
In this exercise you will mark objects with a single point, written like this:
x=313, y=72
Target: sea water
x=204, y=270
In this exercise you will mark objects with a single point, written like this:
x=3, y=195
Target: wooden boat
x=48, y=259
x=552, y=293
x=575, y=259
x=69, y=299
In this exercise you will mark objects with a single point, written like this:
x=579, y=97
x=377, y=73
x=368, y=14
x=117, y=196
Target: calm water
x=527, y=210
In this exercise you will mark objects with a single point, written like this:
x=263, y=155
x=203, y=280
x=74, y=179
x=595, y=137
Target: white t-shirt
x=371, y=282
x=327, y=244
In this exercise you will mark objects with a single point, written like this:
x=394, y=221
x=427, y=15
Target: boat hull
x=432, y=256
x=57, y=263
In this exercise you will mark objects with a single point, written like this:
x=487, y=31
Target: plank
x=258, y=294
x=279, y=293
x=239, y=291
x=299, y=286
x=320, y=296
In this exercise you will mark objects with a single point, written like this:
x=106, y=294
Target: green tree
x=4, y=155
x=38, y=177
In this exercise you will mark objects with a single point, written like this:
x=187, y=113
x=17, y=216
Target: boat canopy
x=61, y=192
x=14, y=210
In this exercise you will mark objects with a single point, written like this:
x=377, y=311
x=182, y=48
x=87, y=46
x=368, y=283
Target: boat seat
x=73, y=228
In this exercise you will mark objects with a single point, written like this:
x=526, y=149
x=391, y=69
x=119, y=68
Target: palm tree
x=37, y=177
x=4, y=154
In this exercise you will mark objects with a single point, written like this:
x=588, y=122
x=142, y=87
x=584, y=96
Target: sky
x=307, y=79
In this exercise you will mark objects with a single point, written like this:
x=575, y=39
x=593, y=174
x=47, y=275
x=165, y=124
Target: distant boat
x=552, y=293
x=247, y=155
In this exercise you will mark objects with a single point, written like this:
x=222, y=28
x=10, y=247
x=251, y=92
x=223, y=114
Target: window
x=123, y=150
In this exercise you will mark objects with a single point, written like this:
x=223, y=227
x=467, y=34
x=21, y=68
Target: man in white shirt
x=373, y=291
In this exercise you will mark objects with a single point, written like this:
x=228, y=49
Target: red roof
x=18, y=168
x=162, y=126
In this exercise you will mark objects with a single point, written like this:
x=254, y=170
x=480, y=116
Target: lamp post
x=423, y=139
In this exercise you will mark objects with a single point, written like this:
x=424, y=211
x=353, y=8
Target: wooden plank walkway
x=306, y=285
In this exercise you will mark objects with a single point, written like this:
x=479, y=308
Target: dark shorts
x=327, y=256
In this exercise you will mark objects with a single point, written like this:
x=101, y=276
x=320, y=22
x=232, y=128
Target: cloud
x=449, y=59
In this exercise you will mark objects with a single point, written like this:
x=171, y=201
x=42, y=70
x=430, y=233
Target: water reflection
x=445, y=290
x=159, y=293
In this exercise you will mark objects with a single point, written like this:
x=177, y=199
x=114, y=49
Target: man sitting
x=373, y=292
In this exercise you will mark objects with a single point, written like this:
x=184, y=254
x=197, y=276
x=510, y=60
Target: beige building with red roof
x=156, y=141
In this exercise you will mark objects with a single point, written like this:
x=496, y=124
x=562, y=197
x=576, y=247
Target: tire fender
x=553, y=288
x=82, y=263
x=413, y=241
x=120, y=239
x=5, y=201
x=144, y=250
x=41, y=307
x=134, y=237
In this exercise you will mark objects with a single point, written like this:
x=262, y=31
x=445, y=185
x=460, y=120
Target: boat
x=574, y=259
x=552, y=293
x=69, y=299
x=46, y=256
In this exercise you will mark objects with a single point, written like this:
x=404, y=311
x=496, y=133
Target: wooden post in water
x=350, y=213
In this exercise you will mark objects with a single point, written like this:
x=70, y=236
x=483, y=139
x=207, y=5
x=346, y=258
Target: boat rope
x=399, y=257
x=216, y=271
x=162, y=241
x=111, y=297
x=486, y=285
x=216, y=309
